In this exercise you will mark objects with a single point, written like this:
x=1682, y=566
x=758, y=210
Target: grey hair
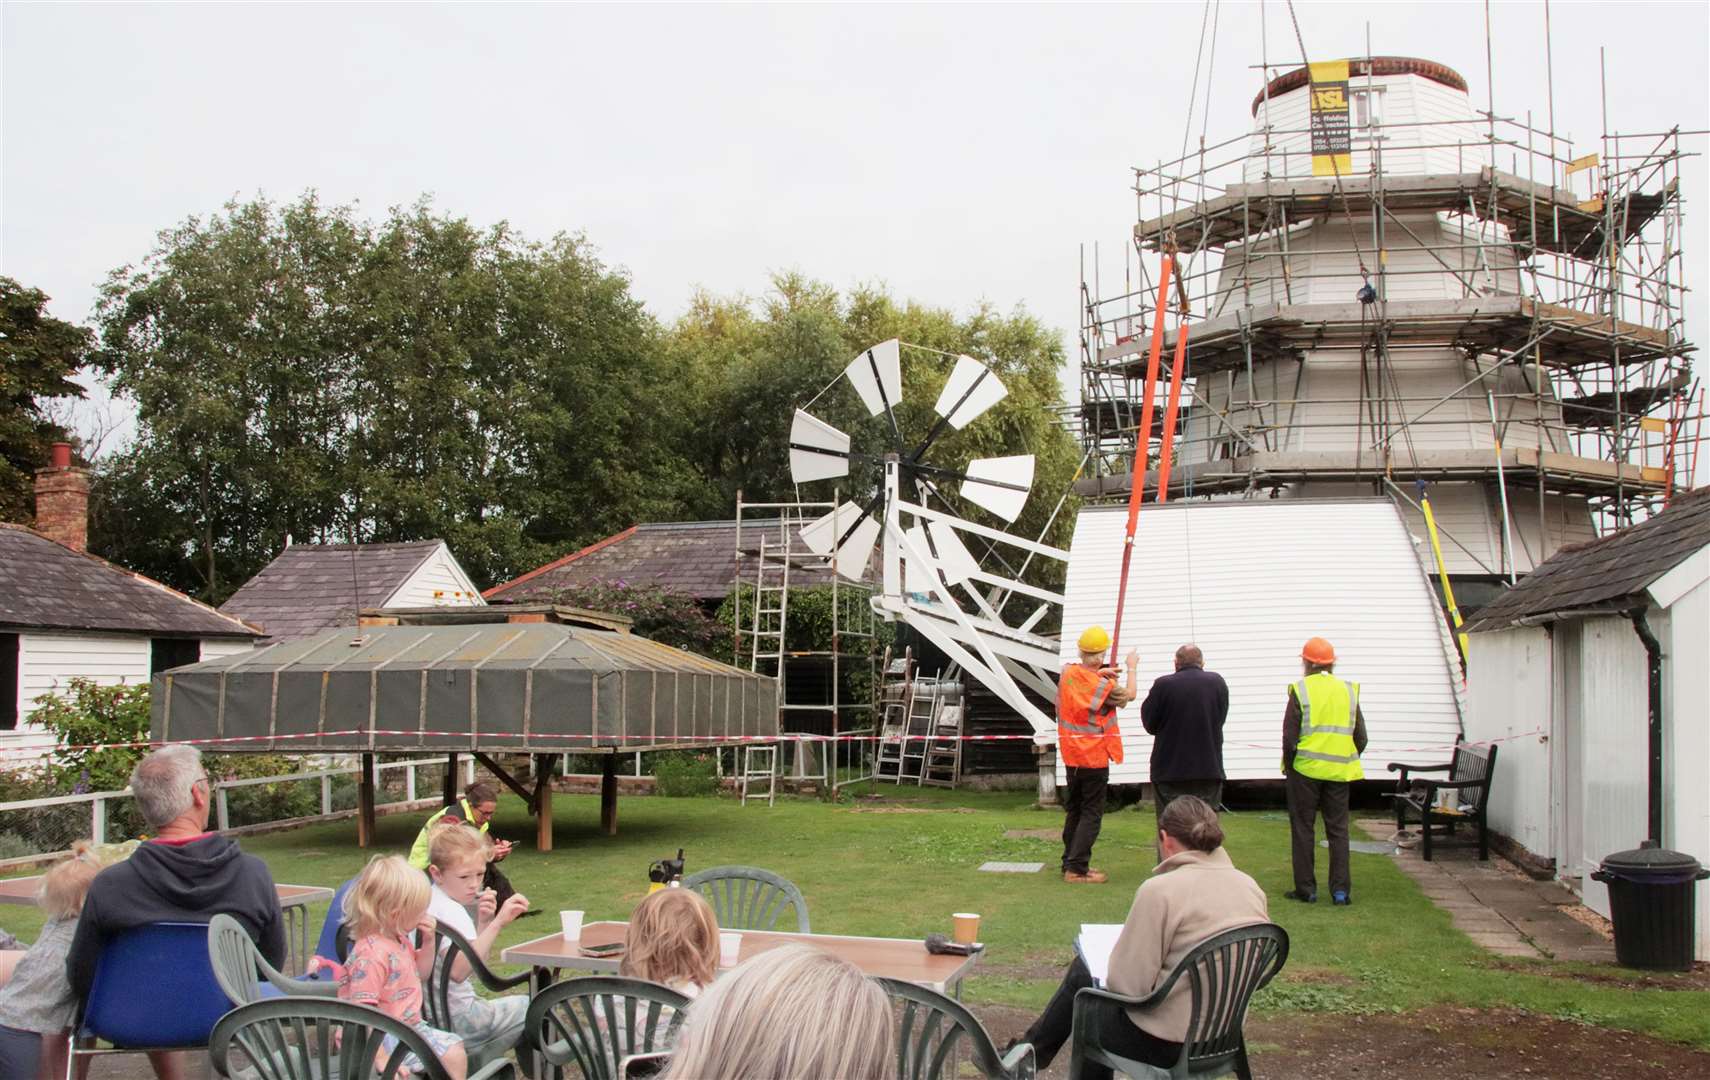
x=792, y=1013
x=161, y=782
x=1189, y=656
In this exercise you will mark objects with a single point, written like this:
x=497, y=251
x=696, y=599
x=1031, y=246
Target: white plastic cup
x=729, y=949
x=572, y=921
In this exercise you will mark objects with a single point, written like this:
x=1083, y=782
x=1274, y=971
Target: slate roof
x=45, y=585
x=309, y=587
x=697, y=558
x=1609, y=573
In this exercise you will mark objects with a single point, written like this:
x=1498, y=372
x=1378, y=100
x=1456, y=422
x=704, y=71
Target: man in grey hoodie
x=183, y=874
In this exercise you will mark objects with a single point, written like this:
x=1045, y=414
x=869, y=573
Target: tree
x=299, y=371
x=38, y=356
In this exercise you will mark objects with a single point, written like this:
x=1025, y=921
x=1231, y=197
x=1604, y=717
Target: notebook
x=1095, y=943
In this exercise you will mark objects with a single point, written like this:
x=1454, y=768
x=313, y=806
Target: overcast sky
x=957, y=153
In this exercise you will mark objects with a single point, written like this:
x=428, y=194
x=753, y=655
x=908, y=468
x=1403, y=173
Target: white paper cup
x=729, y=949
x=572, y=921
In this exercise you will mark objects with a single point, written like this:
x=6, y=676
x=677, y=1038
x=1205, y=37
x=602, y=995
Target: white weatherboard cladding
x=1509, y=677
x=1613, y=747
x=1427, y=128
x=1686, y=735
x=438, y=582
x=47, y=662
x=1249, y=582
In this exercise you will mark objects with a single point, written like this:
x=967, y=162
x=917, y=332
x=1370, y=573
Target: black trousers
x=1165, y=792
x=1083, y=814
x=1307, y=798
x=1056, y=1024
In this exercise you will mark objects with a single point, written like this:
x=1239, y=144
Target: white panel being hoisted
x=806, y=463
x=1249, y=582
x=876, y=375
x=1010, y=480
x=971, y=389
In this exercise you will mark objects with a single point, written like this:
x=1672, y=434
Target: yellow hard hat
x=1095, y=639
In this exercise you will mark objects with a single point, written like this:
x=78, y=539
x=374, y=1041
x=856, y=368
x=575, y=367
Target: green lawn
x=902, y=874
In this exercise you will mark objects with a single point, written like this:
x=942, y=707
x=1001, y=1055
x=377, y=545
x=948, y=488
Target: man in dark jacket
x=183, y=874
x=1184, y=714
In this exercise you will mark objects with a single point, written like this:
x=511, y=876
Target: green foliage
x=301, y=371
x=680, y=775
x=38, y=356
x=256, y=803
x=659, y=614
x=85, y=718
x=808, y=628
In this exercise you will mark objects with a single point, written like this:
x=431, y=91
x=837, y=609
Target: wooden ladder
x=943, y=765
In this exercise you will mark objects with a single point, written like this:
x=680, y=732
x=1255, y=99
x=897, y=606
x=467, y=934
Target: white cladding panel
x=47, y=662
x=437, y=582
x=1614, y=749
x=1508, y=698
x=1686, y=735
x=1249, y=582
x=1426, y=127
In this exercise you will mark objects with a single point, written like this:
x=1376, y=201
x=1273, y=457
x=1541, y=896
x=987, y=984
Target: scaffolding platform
x=1523, y=466
x=1538, y=217
x=1566, y=337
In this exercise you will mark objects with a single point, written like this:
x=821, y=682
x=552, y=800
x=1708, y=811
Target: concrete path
x=1497, y=905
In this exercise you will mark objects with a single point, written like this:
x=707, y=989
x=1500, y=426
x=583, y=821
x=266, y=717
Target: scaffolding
x=1569, y=319
x=772, y=560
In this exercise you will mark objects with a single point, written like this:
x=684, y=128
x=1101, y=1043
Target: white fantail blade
x=854, y=554
x=886, y=356
x=821, y=534
x=919, y=576
x=971, y=389
x=955, y=562
x=805, y=464
x=1014, y=474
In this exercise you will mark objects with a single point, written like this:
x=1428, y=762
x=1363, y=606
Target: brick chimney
x=62, y=500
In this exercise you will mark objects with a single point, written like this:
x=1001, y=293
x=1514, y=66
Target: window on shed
x=8, y=682
x=167, y=653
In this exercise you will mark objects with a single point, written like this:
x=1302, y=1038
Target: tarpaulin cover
x=536, y=687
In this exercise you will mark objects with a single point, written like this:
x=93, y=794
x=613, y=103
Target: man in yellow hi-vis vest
x=1324, y=734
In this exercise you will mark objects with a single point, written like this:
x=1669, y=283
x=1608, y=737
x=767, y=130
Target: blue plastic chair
x=327, y=947
x=141, y=970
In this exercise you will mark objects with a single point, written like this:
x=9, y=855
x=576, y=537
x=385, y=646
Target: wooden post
x=543, y=802
x=365, y=804
x=608, y=794
x=451, y=778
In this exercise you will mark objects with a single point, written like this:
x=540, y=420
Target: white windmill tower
x=931, y=579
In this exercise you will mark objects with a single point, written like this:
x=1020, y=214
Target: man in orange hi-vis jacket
x=1088, y=741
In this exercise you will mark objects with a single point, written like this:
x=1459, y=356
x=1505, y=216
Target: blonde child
x=37, y=1005
x=672, y=940
x=457, y=862
x=383, y=970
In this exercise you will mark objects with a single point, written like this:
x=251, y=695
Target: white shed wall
x=1614, y=746
x=438, y=582
x=47, y=662
x=1686, y=720
x=1249, y=582
x=1509, y=676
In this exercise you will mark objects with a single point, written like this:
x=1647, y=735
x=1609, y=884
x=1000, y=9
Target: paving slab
x=1496, y=905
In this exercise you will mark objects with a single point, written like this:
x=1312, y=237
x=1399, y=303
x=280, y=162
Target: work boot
x=1303, y=897
x=1340, y=899
x=1091, y=877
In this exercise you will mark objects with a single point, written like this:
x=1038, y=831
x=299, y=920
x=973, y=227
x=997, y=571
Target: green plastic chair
x=749, y=898
x=1223, y=973
x=932, y=1027
x=593, y=1023
x=298, y=1038
x=238, y=963
x=436, y=992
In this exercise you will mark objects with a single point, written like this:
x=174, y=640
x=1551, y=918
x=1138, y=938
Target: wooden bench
x=1469, y=779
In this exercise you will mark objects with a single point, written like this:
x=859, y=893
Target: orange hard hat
x=1317, y=651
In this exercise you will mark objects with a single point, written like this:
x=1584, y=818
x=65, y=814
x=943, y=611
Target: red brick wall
x=62, y=505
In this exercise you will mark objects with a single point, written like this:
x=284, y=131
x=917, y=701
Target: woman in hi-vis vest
x=1088, y=741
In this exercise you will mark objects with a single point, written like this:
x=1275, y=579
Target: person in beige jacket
x=1194, y=893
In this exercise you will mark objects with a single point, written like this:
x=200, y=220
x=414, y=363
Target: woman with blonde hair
x=37, y=1004
x=792, y=1013
x=672, y=940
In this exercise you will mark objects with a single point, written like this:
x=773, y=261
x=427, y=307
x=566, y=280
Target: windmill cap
x=1318, y=651
x=1094, y=639
x=1360, y=67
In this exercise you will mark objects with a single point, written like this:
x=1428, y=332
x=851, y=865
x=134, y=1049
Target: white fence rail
x=97, y=801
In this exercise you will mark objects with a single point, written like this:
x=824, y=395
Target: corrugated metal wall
x=1249, y=582
x=1686, y=745
x=1509, y=682
x=1613, y=747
